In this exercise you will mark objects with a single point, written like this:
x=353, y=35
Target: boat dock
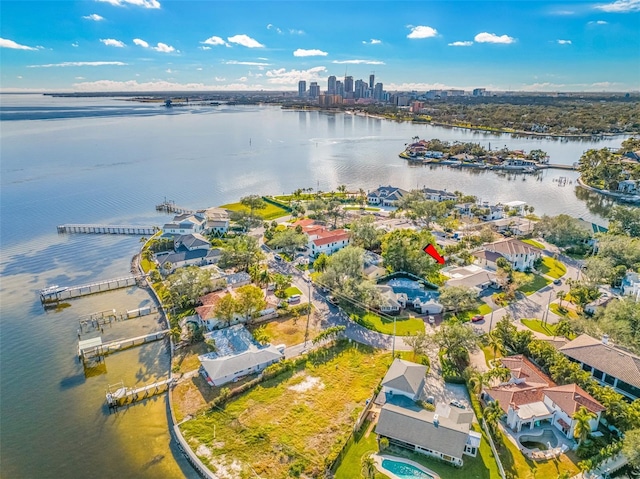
x=95, y=321
x=556, y=166
x=118, y=394
x=55, y=293
x=171, y=207
x=108, y=229
x=94, y=349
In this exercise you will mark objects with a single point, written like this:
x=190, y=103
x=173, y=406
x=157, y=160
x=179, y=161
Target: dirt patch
x=308, y=383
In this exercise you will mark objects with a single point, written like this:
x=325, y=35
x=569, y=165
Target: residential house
x=374, y=272
x=609, y=365
x=206, y=311
x=631, y=285
x=521, y=255
x=493, y=212
x=404, y=378
x=471, y=276
x=438, y=195
x=517, y=206
x=217, y=220
x=170, y=261
x=191, y=242
x=598, y=303
x=329, y=242
x=633, y=155
x=487, y=259
x=464, y=209
x=386, y=196
x=185, y=224
x=429, y=433
x=237, y=355
x=530, y=399
x=628, y=186
x=391, y=302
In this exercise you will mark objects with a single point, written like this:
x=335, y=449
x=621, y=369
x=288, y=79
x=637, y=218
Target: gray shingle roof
x=605, y=357
x=220, y=367
x=417, y=427
x=405, y=376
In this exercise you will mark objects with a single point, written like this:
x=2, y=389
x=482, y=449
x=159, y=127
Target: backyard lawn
x=271, y=212
x=539, y=326
x=536, y=284
x=552, y=267
x=288, y=425
x=533, y=243
x=364, y=443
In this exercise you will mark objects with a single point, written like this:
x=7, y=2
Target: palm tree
x=560, y=295
x=582, y=427
x=496, y=343
x=254, y=272
x=265, y=277
x=476, y=381
x=492, y=413
x=563, y=328
x=368, y=467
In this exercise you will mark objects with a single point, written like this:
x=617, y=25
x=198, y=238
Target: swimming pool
x=411, y=288
x=402, y=470
x=546, y=440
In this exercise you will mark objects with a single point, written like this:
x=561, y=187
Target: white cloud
x=620, y=6
x=373, y=41
x=273, y=27
x=263, y=59
x=422, y=31
x=19, y=77
x=140, y=43
x=294, y=31
x=485, y=37
x=168, y=70
x=80, y=78
x=134, y=85
x=598, y=22
x=6, y=43
x=245, y=41
x=94, y=16
x=358, y=62
x=564, y=42
x=309, y=53
x=282, y=76
x=75, y=44
x=214, y=41
x=164, y=48
x=204, y=47
x=563, y=12
x=112, y=42
x=199, y=69
x=250, y=64
x=461, y=44
x=77, y=64
x=137, y=3
x=220, y=79
x=242, y=79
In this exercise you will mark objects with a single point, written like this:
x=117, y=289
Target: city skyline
x=158, y=45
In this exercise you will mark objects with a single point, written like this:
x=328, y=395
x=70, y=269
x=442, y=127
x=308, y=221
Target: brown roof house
x=521, y=255
x=530, y=399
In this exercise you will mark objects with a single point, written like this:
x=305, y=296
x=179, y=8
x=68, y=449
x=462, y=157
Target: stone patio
x=564, y=443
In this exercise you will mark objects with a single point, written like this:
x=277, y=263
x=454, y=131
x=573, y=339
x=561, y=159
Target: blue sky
x=118, y=45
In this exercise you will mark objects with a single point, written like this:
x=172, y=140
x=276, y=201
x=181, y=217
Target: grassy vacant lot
x=271, y=212
x=405, y=326
x=539, y=326
x=552, y=267
x=289, y=331
x=291, y=423
x=564, y=312
x=533, y=243
x=536, y=284
x=465, y=316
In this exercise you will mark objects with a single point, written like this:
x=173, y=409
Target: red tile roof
x=571, y=397
x=526, y=369
x=327, y=237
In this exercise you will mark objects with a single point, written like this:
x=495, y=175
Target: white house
x=237, y=355
x=390, y=302
x=185, y=224
x=598, y=303
x=184, y=257
x=492, y=213
x=631, y=285
x=217, y=220
x=404, y=378
x=386, y=196
x=329, y=242
x=517, y=206
x=521, y=255
x=438, y=195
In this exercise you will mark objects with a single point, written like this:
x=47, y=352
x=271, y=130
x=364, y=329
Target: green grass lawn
x=368, y=208
x=564, y=312
x=291, y=290
x=364, y=443
x=533, y=243
x=552, y=267
x=538, y=283
x=488, y=354
x=271, y=212
x=465, y=316
x=404, y=326
x=293, y=421
x=539, y=326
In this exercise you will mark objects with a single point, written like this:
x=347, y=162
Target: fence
x=493, y=448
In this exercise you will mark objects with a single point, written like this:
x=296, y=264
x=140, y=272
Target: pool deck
x=564, y=444
x=378, y=458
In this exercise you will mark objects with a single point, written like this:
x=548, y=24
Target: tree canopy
x=250, y=301
x=402, y=250
x=457, y=298
x=188, y=284
x=562, y=230
x=241, y=252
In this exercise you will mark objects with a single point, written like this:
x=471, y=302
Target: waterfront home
x=438, y=195
x=185, y=224
x=521, y=255
x=206, y=311
x=191, y=242
x=464, y=209
x=237, y=355
x=517, y=206
x=531, y=399
x=493, y=212
x=217, y=221
x=386, y=196
x=404, y=378
x=181, y=257
x=609, y=365
x=631, y=285
x=633, y=155
x=518, y=163
x=628, y=186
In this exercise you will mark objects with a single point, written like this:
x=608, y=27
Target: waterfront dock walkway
x=119, y=395
x=55, y=294
x=108, y=229
x=95, y=349
x=97, y=320
x=171, y=207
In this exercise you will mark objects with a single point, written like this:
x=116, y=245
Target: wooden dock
x=96, y=321
x=560, y=167
x=119, y=395
x=108, y=229
x=171, y=207
x=55, y=293
x=94, y=349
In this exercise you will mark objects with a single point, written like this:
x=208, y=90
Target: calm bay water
x=108, y=161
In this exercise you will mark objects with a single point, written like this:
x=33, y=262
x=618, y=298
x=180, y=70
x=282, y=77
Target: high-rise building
x=372, y=79
x=314, y=90
x=339, y=88
x=331, y=85
x=360, y=88
x=348, y=85
x=377, y=92
x=302, y=88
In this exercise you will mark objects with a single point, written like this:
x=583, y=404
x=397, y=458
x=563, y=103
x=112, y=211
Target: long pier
x=171, y=207
x=96, y=321
x=557, y=166
x=108, y=229
x=55, y=293
x=118, y=394
x=95, y=349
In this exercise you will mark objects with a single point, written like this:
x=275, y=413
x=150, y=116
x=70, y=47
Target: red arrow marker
x=431, y=251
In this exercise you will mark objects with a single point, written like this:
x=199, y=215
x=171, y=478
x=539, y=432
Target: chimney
x=605, y=339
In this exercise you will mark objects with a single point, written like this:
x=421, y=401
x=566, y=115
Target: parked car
x=557, y=281
x=332, y=300
x=476, y=318
x=457, y=404
x=431, y=320
x=277, y=257
x=294, y=298
x=430, y=400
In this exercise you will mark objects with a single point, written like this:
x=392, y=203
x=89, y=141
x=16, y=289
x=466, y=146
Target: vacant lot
x=537, y=282
x=290, y=331
x=271, y=212
x=552, y=267
x=290, y=424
